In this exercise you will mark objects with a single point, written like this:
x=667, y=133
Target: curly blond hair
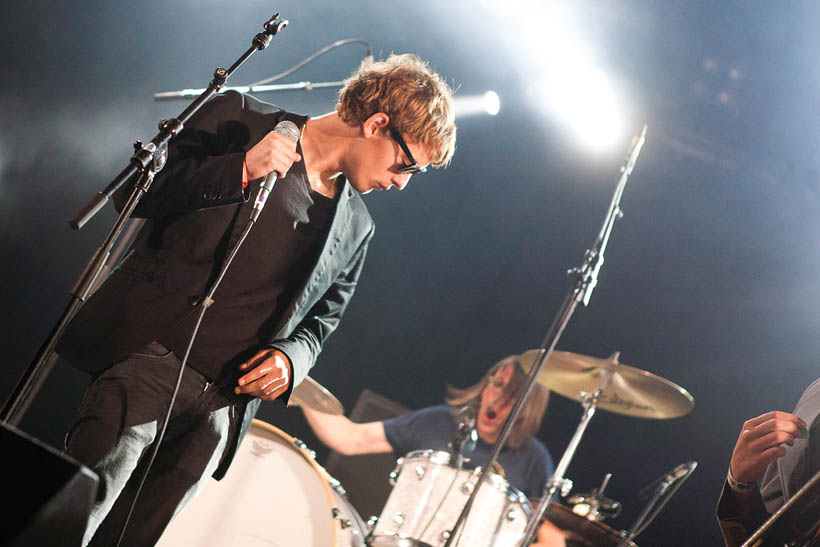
x=417, y=100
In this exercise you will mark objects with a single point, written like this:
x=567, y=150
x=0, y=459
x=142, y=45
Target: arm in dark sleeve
x=739, y=517
x=422, y=429
x=205, y=163
x=305, y=342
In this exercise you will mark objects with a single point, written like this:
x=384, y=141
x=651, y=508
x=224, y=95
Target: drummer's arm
x=347, y=437
x=549, y=535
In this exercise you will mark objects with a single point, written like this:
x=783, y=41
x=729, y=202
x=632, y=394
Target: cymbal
x=583, y=532
x=631, y=391
x=311, y=394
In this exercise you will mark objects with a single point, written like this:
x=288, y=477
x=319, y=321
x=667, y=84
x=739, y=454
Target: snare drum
x=274, y=494
x=428, y=496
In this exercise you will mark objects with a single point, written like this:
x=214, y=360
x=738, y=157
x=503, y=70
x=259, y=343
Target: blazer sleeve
x=305, y=342
x=739, y=520
x=204, y=165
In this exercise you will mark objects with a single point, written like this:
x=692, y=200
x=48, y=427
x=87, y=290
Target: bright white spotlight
x=470, y=105
x=492, y=104
x=584, y=100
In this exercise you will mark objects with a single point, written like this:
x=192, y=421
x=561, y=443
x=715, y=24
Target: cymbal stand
x=558, y=481
x=148, y=159
x=585, y=278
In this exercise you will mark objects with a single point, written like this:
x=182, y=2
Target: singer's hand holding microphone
x=276, y=152
x=271, y=157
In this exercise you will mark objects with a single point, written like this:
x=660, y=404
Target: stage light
x=469, y=105
x=492, y=103
x=584, y=100
x=564, y=69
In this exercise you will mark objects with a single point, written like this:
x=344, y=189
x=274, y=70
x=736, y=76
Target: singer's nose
x=401, y=181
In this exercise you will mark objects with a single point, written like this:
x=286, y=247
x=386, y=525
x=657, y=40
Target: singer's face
x=378, y=163
x=496, y=404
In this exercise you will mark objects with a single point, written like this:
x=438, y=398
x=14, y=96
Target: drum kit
x=277, y=494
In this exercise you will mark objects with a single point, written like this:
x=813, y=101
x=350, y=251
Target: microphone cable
x=312, y=57
x=282, y=128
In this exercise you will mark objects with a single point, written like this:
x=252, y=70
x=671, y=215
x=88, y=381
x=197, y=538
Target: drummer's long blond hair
x=528, y=422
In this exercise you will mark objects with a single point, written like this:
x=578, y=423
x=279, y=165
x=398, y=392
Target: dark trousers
x=114, y=433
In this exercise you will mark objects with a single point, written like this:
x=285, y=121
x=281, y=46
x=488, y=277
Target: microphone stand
x=147, y=160
x=661, y=496
x=585, y=279
x=306, y=85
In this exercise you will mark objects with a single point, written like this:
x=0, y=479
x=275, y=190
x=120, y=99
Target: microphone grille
x=288, y=129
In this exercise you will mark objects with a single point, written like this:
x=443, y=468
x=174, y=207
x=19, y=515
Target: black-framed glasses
x=414, y=167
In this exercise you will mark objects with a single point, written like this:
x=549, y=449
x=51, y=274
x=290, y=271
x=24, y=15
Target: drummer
x=524, y=462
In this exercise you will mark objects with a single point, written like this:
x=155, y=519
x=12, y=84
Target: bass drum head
x=274, y=494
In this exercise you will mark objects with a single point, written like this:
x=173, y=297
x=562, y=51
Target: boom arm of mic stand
x=169, y=128
x=594, y=257
x=306, y=85
x=147, y=161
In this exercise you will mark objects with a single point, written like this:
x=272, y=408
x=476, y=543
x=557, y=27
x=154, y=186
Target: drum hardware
x=606, y=384
x=594, y=506
x=334, y=483
x=584, y=532
x=344, y=522
x=298, y=443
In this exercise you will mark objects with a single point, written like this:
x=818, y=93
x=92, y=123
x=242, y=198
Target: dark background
x=710, y=279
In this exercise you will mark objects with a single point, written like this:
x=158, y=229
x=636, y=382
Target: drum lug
x=299, y=443
x=420, y=471
x=371, y=523
x=398, y=517
x=467, y=488
x=395, y=473
x=338, y=515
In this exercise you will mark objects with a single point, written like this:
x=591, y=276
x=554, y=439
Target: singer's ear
x=375, y=123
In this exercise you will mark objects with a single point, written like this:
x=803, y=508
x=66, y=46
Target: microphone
x=291, y=131
x=466, y=436
x=465, y=418
x=663, y=483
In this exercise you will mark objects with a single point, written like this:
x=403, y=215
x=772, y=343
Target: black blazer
x=196, y=209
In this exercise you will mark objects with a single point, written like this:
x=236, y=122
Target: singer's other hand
x=269, y=375
x=761, y=442
x=275, y=152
